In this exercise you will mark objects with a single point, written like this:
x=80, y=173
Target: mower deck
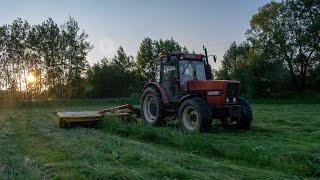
x=126, y=113
x=67, y=118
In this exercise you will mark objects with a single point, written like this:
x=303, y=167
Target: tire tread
x=161, y=115
x=204, y=110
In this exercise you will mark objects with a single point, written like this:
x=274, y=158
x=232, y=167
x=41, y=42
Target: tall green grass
x=282, y=143
x=262, y=146
x=33, y=147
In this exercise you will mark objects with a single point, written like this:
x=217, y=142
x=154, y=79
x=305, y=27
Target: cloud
x=107, y=47
x=104, y=47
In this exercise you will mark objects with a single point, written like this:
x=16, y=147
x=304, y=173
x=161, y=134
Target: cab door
x=169, y=76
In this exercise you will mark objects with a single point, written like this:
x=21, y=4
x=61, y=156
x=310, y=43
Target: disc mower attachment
x=125, y=112
x=66, y=119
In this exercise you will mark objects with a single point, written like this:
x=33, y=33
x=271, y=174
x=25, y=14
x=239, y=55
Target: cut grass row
x=13, y=162
x=32, y=147
x=282, y=138
x=283, y=143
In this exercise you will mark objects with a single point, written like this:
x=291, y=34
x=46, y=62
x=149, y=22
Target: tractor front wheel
x=195, y=115
x=152, y=107
x=244, y=121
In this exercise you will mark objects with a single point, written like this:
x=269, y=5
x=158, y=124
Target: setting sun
x=31, y=78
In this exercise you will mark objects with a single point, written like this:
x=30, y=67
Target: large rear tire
x=195, y=115
x=152, y=107
x=247, y=116
x=242, y=123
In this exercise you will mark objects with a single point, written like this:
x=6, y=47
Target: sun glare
x=31, y=78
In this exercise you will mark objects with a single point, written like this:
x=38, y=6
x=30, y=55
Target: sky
x=111, y=23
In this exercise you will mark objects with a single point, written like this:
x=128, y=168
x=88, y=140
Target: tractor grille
x=232, y=95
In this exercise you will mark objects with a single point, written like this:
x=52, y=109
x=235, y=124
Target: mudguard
x=163, y=93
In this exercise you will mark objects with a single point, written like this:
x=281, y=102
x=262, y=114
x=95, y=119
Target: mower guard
x=66, y=119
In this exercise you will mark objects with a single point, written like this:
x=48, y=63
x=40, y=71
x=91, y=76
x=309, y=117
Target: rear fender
x=163, y=93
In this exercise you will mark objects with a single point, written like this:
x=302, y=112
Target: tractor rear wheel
x=195, y=115
x=244, y=121
x=152, y=107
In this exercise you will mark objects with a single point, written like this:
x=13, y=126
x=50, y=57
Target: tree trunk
x=302, y=75
x=26, y=83
x=293, y=76
x=303, y=82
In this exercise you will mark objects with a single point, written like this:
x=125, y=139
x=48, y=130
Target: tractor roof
x=175, y=56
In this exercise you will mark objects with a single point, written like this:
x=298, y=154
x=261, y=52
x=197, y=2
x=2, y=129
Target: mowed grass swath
x=282, y=143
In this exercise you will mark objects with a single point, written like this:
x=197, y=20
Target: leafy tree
x=228, y=64
x=168, y=46
x=149, y=50
x=122, y=61
x=55, y=55
x=114, y=77
x=259, y=77
x=289, y=31
x=145, y=58
x=2, y=58
x=5, y=61
x=75, y=48
x=46, y=38
x=15, y=35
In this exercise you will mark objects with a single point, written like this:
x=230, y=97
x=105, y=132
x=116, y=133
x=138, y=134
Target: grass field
x=284, y=142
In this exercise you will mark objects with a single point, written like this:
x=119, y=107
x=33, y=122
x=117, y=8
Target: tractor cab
x=174, y=71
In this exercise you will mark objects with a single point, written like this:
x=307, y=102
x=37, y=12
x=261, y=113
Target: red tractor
x=183, y=86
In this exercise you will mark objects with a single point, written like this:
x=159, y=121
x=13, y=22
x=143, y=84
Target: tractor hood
x=205, y=85
x=217, y=92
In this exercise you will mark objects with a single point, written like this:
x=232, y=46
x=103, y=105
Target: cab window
x=191, y=70
x=169, y=70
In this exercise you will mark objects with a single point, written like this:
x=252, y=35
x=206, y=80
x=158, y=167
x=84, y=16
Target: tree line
x=124, y=76
x=54, y=56
x=46, y=59
x=280, y=58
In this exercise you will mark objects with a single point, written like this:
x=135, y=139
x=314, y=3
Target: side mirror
x=215, y=58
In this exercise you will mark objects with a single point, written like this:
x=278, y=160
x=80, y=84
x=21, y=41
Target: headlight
x=234, y=99
x=227, y=99
x=214, y=93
